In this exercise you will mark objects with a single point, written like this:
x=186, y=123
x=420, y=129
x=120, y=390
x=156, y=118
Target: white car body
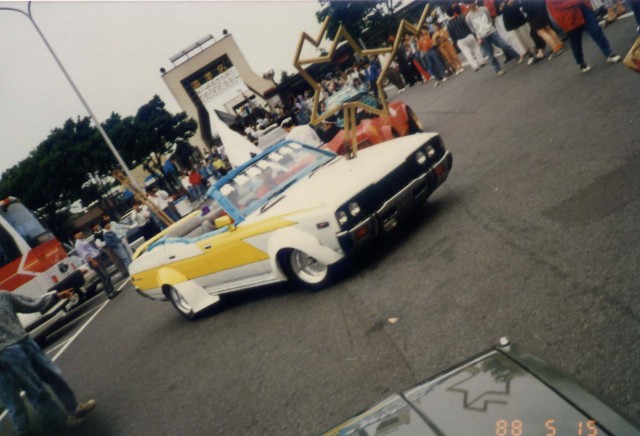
x=298, y=230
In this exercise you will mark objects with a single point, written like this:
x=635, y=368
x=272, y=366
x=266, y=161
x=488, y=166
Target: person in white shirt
x=303, y=133
x=479, y=21
x=162, y=201
x=90, y=255
x=141, y=217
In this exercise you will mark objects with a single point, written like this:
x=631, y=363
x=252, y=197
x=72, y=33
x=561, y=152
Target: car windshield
x=270, y=175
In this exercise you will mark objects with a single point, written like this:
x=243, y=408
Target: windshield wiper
x=320, y=166
x=269, y=204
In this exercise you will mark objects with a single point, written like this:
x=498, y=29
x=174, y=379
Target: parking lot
x=535, y=236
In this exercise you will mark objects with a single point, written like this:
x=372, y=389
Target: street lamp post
x=75, y=88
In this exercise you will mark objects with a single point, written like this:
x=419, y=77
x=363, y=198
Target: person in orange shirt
x=430, y=58
x=446, y=49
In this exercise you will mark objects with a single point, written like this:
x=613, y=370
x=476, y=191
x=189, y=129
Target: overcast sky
x=114, y=50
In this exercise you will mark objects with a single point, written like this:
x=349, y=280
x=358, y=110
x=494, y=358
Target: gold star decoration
x=349, y=108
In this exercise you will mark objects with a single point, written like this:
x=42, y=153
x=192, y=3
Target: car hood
x=502, y=391
x=340, y=179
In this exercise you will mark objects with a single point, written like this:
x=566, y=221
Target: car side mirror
x=225, y=221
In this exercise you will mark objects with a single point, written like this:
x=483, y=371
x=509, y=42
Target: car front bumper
x=395, y=209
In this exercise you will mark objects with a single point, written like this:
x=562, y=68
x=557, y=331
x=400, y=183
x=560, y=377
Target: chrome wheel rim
x=307, y=268
x=180, y=303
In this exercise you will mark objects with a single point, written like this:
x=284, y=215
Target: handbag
x=632, y=59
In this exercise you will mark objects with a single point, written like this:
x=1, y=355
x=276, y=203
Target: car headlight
x=421, y=158
x=342, y=217
x=431, y=152
x=354, y=208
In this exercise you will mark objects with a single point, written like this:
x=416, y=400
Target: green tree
x=359, y=16
x=73, y=162
x=154, y=133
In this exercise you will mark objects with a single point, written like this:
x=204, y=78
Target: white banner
x=217, y=86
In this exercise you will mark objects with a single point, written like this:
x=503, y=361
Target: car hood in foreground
x=502, y=391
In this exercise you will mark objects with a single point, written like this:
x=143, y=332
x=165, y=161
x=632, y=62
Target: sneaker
x=73, y=421
x=531, y=60
x=436, y=83
x=500, y=73
x=84, y=408
x=584, y=68
x=444, y=79
x=520, y=60
x=613, y=58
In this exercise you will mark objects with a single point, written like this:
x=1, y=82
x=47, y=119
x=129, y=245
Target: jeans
x=495, y=39
x=103, y=276
x=635, y=7
x=123, y=254
x=432, y=62
x=29, y=368
x=595, y=32
x=11, y=401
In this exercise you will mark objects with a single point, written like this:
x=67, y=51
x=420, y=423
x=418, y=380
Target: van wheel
x=76, y=300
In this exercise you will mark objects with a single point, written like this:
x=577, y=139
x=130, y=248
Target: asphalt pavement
x=535, y=236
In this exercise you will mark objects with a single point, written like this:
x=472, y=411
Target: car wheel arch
x=187, y=296
x=291, y=238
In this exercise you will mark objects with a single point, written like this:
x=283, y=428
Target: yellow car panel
x=225, y=251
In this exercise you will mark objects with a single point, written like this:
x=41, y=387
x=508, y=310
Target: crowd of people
x=522, y=30
x=473, y=31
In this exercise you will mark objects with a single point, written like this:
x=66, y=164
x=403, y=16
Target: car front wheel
x=181, y=305
x=307, y=271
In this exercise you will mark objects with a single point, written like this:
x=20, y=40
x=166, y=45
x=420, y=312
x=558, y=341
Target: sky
x=113, y=51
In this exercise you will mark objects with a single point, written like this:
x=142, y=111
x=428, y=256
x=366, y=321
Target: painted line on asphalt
x=72, y=338
x=61, y=344
x=124, y=284
x=84, y=315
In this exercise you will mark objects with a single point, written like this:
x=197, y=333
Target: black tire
x=306, y=271
x=415, y=126
x=179, y=303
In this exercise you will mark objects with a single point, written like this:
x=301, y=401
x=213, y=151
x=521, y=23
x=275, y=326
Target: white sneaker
x=500, y=73
x=83, y=408
x=613, y=58
x=584, y=68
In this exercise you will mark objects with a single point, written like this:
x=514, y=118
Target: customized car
x=503, y=391
x=293, y=212
x=371, y=129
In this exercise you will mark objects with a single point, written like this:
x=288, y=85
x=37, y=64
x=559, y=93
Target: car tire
x=306, y=271
x=415, y=126
x=179, y=303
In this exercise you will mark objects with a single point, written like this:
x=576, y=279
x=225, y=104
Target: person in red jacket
x=196, y=181
x=574, y=16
